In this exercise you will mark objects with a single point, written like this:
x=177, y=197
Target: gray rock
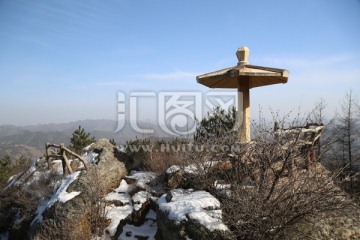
x=142, y=203
x=175, y=217
x=174, y=177
x=85, y=210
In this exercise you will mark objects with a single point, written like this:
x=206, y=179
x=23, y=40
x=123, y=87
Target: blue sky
x=66, y=60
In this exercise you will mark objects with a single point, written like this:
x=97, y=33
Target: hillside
x=29, y=140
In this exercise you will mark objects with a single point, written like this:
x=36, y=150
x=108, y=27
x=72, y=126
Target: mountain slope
x=29, y=140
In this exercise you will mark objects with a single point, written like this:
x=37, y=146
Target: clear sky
x=66, y=60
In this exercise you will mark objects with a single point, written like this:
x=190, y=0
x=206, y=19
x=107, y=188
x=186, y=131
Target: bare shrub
x=160, y=161
x=156, y=155
x=274, y=182
x=266, y=206
x=97, y=211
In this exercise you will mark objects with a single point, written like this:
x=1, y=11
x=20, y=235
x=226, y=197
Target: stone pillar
x=244, y=110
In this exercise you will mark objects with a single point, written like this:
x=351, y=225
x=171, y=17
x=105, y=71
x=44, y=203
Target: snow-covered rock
x=61, y=195
x=75, y=200
x=174, y=177
x=193, y=214
x=146, y=231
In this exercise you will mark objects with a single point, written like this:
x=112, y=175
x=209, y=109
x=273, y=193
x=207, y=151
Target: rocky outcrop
x=184, y=214
x=81, y=211
x=110, y=168
x=141, y=208
x=342, y=224
x=105, y=202
x=174, y=177
x=132, y=207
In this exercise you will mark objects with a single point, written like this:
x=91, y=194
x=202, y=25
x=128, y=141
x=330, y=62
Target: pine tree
x=216, y=124
x=80, y=139
x=5, y=161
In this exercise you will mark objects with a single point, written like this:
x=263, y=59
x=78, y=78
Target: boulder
x=184, y=214
x=85, y=207
x=110, y=168
x=141, y=203
x=174, y=177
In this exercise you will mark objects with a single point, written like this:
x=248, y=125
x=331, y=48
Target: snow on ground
x=139, y=199
x=199, y=205
x=210, y=219
x=60, y=195
x=146, y=231
x=191, y=169
x=172, y=169
x=142, y=178
x=124, y=187
x=116, y=214
x=120, y=194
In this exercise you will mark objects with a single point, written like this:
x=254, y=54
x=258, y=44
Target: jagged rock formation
x=105, y=174
x=184, y=214
x=141, y=207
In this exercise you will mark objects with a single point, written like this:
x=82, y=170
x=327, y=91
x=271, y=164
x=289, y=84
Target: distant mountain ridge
x=100, y=125
x=30, y=140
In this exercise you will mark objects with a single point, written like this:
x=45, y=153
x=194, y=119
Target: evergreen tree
x=5, y=161
x=216, y=124
x=80, y=139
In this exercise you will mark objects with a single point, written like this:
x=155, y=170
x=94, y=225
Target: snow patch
x=124, y=187
x=146, y=231
x=60, y=195
x=172, y=169
x=115, y=214
x=191, y=169
x=90, y=157
x=121, y=193
x=212, y=220
x=142, y=178
x=114, y=196
x=199, y=205
x=139, y=199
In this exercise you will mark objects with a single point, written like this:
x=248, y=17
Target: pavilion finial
x=243, y=54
